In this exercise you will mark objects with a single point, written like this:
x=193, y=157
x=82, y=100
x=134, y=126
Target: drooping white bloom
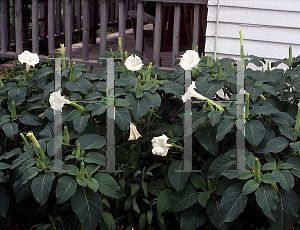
x=133, y=63
x=189, y=60
x=160, y=145
x=134, y=134
x=57, y=101
x=29, y=58
x=192, y=93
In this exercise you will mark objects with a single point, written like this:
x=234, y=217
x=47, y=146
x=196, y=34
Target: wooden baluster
x=51, y=38
x=139, y=27
x=176, y=33
x=58, y=17
x=19, y=32
x=122, y=22
x=157, y=35
x=4, y=29
x=85, y=40
x=35, y=26
x=68, y=28
x=103, y=28
x=78, y=14
x=196, y=26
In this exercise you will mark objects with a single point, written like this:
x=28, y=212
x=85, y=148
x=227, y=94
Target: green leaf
x=193, y=217
x=276, y=145
x=295, y=161
x=214, y=117
x=108, y=186
x=145, y=188
x=177, y=178
x=149, y=216
x=109, y=220
x=66, y=187
x=173, y=88
x=207, y=138
x=269, y=178
x=233, y=202
x=4, y=201
x=17, y=94
x=7, y=86
x=88, y=206
x=29, y=174
x=250, y=186
x=28, y=163
x=30, y=119
x=5, y=119
x=269, y=166
x=208, y=89
x=135, y=205
x=22, y=191
x=268, y=89
x=41, y=187
x=198, y=181
x=23, y=157
x=214, y=213
x=184, y=199
x=10, y=129
x=98, y=109
x=254, y=132
x=164, y=201
x=224, y=127
x=135, y=188
x=220, y=165
x=91, y=141
x=288, y=132
x=266, y=110
x=93, y=184
x=295, y=146
x=142, y=221
x=157, y=186
x=285, y=179
x=223, y=185
x=266, y=198
x=122, y=118
x=154, y=98
x=80, y=85
x=253, y=91
x=41, y=73
x=282, y=118
x=286, y=211
x=198, y=119
x=139, y=107
x=94, y=157
x=80, y=122
x=73, y=114
x=11, y=153
x=203, y=198
x=244, y=175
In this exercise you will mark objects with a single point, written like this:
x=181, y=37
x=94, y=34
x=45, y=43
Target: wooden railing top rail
x=178, y=1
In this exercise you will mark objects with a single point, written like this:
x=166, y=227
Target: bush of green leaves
x=149, y=193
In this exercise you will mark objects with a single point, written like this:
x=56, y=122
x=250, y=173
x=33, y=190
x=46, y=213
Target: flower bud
x=72, y=74
x=13, y=109
x=275, y=186
x=257, y=171
x=290, y=54
x=242, y=43
x=219, y=69
x=246, y=106
x=149, y=72
x=138, y=84
x=62, y=51
x=77, y=106
x=211, y=62
x=134, y=134
x=37, y=145
x=125, y=54
x=297, y=126
x=268, y=66
x=232, y=65
x=67, y=138
x=81, y=172
x=24, y=139
x=78, y=151
x=120, y=47
x=1, y=83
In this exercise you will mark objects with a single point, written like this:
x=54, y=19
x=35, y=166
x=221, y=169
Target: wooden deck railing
x=12, y=31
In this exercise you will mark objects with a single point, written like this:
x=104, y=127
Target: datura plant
x=84, y=157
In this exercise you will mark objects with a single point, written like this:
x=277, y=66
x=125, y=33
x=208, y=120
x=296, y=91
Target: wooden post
x=64, y=16
x=93, y=21
x=103, y=27
x=85, y=35
x=58, y=17
x=35, y=26
x=176, y=34
x=19, y=32
x=51, y=40
x=68, y=27
x=139, y=27
x=126, y=9
x=131, y=5
x=112, y=11
x=196, y=26
x=157, y=35
x=122, y=21
x=3, y=23
x=8, y=35
x=14, y=24
x=42, y=15
x=78, y=14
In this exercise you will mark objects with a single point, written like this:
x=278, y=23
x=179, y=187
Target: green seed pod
x=290, y=54
x=257, y=171
x=13, y=109
x=246, y=106
x=78, y=151
x=219, y=69
x=67, y=138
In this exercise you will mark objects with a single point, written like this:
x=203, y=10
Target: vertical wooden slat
x=157, y=34
x=64, y=15
x=85, y=35
x=112, y=11
x=68, y=27
x=73, y=15
x=35, y=26
x=93, y=20
x=8, y=23
x=78, y=14
x=42, y=16
x=126, y=9
x=131, y=4
x=139, y=27
x=18, y=17
x=103, y=27
x=58, y=17
x=176, y=33
x=13, y=24
x=51, y=41
x=196, y=26
x=117, y=10
x=122, y=21
x=3, y=25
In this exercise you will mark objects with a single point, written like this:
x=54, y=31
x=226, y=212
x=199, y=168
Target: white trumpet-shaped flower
x=29, y=58
x=189, y=60
x=57, y=101
x=133, y=63
x=192, y=93
x=134, y=134
x=160, y=145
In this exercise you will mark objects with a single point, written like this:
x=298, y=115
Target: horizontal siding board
x=253, y=32
x=258, y=48
x=254, y=16
x=283, y=5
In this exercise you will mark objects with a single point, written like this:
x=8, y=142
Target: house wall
x=269, y=28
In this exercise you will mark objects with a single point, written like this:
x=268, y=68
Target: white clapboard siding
x=269, y=28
